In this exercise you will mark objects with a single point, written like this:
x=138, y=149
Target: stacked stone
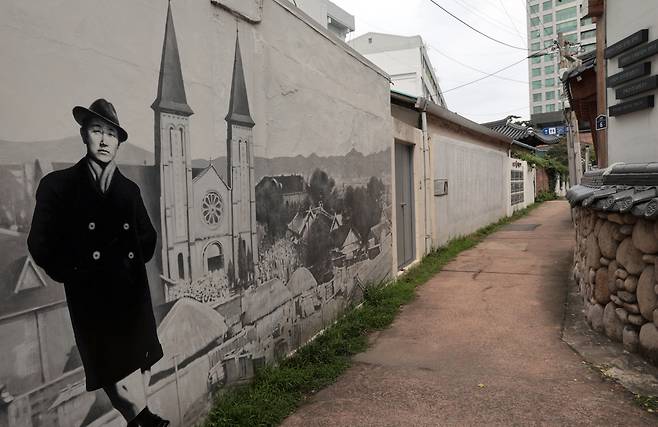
x=615, y=269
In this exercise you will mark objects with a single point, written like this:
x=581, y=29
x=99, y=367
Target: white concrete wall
x=632, y=138
x=478, y=183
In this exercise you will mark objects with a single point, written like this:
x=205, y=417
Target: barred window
x=517, y=187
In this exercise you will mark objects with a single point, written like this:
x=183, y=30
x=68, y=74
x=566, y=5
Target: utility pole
x=565, y=63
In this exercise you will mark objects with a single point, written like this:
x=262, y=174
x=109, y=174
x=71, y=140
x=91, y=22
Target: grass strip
x=276, y=391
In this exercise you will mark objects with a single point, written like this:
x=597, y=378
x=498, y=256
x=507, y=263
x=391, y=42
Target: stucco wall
x=321, y=111
x=632, y=138
x=478, y=181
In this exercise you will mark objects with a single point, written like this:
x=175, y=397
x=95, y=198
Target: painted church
x=207, y=224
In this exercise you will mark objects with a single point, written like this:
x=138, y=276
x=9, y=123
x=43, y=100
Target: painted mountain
x=65, y=150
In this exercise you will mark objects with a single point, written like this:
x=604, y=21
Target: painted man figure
x=91, y=231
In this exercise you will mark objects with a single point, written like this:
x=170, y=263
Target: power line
x=473, y=28
x=502, y=3
x=496, y=72
x=499, y=24
x=473, y=68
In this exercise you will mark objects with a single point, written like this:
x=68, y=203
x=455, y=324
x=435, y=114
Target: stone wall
x=615, y=268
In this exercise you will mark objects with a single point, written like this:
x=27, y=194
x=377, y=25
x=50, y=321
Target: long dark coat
x=97, y=245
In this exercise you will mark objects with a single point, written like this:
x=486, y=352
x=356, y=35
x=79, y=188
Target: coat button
x=126, y=226
x=96, y=255
x=92, y=225
x=131, y=255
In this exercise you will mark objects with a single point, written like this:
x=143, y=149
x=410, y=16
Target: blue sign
x=601, y=122
x=556, y=130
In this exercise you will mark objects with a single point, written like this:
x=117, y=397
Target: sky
x=450, y=43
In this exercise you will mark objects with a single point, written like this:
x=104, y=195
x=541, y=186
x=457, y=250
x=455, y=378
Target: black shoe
x=147, y=418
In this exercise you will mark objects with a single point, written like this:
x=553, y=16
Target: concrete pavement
x=481, y=346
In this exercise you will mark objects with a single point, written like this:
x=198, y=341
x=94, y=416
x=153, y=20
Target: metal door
x=404, y=193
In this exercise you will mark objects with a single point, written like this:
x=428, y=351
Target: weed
x=650, y=403
x=276, y=391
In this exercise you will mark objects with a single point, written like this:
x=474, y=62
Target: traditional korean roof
x=622, y=188
x=523, y=134
x=171, y=89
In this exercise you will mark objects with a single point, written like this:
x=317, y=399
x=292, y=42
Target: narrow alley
x=482, y=344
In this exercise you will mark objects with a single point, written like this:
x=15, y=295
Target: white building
x=631, y=43
x=330, y=16
x=405, y=59
x=546, y=19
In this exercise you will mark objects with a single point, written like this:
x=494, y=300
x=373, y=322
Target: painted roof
x=190, y=326
x=263, y=300
x=171, y=89
x=238, y=109
x=301, y=281
x=13, y=262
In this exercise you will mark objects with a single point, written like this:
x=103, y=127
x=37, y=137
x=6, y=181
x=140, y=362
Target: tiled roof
x=15, y=255
x=520, y=133
x=623, y=188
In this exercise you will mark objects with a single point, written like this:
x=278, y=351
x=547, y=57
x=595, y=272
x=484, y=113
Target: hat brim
x=82, y=114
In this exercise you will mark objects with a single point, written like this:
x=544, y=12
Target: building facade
x=547, y=19
x=406, y=60
x=327, y=14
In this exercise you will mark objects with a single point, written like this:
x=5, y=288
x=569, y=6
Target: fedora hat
x=101, y=109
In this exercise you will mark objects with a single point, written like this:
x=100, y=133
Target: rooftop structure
x=406, y=60
x=330, y=16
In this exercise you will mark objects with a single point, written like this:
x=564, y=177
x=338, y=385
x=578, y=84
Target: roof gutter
x=441, y=113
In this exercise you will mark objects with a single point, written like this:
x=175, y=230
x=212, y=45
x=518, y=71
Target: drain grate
x=519, y=227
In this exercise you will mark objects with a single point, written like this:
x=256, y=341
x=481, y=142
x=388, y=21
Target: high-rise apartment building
x=547, y=19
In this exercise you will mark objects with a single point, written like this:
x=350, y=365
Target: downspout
x=422, y=104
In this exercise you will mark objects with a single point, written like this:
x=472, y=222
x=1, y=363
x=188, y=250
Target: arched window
x=214, y=257
x=181, y=266
x=182, y=142
x=171, y=142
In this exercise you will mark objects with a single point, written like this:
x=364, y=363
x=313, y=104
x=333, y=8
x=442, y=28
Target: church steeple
x=238, y=109
x=171, y=90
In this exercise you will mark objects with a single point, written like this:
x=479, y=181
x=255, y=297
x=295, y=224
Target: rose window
x=212, y=208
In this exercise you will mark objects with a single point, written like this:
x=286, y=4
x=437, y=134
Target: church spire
x=238, y=109
x=171, y=90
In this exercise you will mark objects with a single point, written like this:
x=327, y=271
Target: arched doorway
x=214, y=257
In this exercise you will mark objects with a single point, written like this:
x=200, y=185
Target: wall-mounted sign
x=638, y=53
x=629, y=73
x=637, y=87
x=627, y=43
x=631, y=106
x=601, y=122
x=557, y=130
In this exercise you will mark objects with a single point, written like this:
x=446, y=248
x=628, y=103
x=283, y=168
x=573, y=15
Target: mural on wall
x=254, y=257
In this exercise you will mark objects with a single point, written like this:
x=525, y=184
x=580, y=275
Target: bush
x=545, y=196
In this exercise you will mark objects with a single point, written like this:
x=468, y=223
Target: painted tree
x=321, y=190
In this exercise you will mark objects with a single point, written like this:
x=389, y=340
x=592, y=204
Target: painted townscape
x=251, y=262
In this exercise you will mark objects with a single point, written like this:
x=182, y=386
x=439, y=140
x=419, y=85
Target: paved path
x=481, y=346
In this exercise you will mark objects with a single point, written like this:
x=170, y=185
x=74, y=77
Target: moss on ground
x=276, y=391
